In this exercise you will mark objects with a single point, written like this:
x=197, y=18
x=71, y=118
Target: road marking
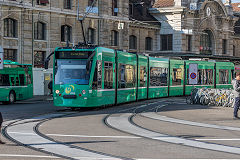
x=29, y=156
x=85, y=136
x=183, y=159
x=179, y=121
x=80, y=136
x=50, y=157
x=144, y=105
x=122, y=123
x=219, y=139
x=92, y=158
x=31, y=139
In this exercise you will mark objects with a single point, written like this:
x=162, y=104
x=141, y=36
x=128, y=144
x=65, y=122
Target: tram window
x=176, y=76
x=4, y=80
x=126, y=76
x=97, y=79
x=158, y=76
x=143, y=76
x=223, y=76
x=12, y=81
x=21, y=77
x=205, y=77
x=17, y=81
x=108, y=75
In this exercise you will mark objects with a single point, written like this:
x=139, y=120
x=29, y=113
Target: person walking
x=236, y=92
x=50, y=87
x=1, y=120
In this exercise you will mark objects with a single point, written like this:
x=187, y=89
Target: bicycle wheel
x=189, y=100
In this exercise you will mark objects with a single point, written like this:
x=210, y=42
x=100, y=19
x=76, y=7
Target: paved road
x=23, y=110
x=154, y=129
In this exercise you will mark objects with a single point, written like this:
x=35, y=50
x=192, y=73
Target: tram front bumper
x=70, y=101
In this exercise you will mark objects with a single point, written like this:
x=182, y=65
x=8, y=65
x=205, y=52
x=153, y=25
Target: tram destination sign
x=72, y=55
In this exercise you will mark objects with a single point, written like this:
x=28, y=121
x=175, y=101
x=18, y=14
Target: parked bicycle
x=208, y=96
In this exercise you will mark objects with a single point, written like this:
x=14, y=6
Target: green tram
x=15, y=82
x=101, y=76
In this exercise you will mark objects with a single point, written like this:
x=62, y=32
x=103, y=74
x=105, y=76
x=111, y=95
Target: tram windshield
x=71, y=72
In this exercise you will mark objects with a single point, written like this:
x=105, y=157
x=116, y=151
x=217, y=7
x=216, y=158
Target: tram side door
x=14, y=82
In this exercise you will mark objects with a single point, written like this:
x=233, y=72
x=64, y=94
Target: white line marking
x=49, y=157
x=179, y=121
x=122, y=123
x=92, y=158
x=38, y=142
x=184, y=159
x=80, y=136
x=218, y=139
x=29, y=156
x=92, y=136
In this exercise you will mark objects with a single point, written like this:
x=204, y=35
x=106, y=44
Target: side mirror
x=46, y=63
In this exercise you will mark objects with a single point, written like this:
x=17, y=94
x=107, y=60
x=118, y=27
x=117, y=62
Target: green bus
x=15, y=82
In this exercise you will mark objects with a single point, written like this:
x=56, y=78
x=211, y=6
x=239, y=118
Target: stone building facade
x=203, y=27
x=236, y=40
x=32, y=29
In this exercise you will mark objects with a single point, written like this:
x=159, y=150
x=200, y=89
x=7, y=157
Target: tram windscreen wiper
x=89, y=61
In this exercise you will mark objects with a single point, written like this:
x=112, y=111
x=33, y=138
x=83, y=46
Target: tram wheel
x=11, y=97
x=73, y=108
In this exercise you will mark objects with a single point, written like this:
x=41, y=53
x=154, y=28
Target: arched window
x=66, y=33
x=91, y=35
x=207, y=42
x=114, y=38
x=39, y=30
x=10, y=27
x=148, y=43
x=132, y=42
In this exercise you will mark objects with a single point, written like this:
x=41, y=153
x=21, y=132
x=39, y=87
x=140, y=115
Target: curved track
x=124, y=122
x=32, y=138
x=26, y=132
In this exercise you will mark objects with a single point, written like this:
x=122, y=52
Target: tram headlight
x=57, y=91
x=83, y=92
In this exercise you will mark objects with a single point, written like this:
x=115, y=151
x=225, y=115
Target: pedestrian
x=1, y=120
x=236, y=92
x=50, y=86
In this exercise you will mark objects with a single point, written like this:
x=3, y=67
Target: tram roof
x=186, y=56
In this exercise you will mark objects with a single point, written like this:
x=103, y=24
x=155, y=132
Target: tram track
x=124, y=123
x=44, y=140
x=7, y=136
x=36, y=129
